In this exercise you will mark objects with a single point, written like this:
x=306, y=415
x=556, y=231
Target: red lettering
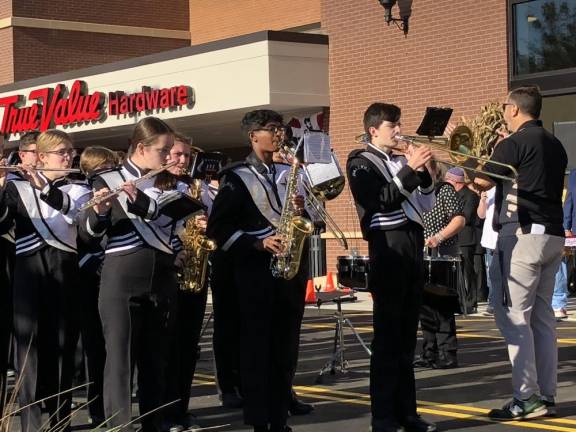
x=182, y=95
x=8, y=104
x=113, y=103
x=124, y=104
x=152, y=98
x=164, y=98
x=140, y=102
x=60, y=112
x=173, y=91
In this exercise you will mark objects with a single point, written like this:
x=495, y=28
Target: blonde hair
x=50, y=139
x=93, y=158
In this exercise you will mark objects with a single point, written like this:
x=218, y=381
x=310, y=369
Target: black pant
x=226, y=338
x=46, y=330
x=469, y=276
x=438, y=327
x=92, y=339
x=137, y=305
x=395, y=280
x=269, y=328
x=6, y=266
x=184, y=353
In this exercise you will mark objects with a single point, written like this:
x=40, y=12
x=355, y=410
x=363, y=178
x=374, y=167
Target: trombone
x=458, y=146
x=316, y=205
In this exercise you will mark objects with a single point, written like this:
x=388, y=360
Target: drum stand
x=337, y=360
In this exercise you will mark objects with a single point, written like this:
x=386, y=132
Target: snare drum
x=443, y=277
x=353, y=271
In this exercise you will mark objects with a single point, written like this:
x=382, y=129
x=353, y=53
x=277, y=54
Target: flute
x=97, y=200
x=21, y=168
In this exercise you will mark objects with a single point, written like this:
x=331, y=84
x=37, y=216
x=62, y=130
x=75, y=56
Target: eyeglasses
x=62, y=152
x=272, y=129
x=505, y=104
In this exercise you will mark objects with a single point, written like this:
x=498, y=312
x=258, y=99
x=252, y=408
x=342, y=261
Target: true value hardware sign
x=54, y=106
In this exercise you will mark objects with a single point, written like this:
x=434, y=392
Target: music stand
x=338, y=361
x=207, y=164
x=434, y=122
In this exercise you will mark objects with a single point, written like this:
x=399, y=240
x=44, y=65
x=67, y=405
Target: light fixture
x=531, y=18
x=405, y=7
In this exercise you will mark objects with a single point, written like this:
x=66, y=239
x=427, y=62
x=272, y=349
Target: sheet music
x=317, y=148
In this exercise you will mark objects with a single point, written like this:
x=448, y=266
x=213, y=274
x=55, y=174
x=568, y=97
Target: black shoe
x=423, y=362
x=282, y=428
x=445, y=364
x=379, y=425
x=298, y=407
x=418, y=424
x=232, y=400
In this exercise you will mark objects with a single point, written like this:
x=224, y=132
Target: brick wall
x=5, y=8
x=143, y=13
x=6, y=64
x=41, y=52
x=455, y=55
x=212, y=20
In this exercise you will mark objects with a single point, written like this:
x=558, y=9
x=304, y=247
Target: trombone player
x=391, y=191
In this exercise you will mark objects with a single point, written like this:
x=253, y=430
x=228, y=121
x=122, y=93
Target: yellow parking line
x=460, y=333
x=437, y=412
x=434, y=408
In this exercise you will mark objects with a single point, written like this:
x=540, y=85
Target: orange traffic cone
x=329, y=283
x=310, y=293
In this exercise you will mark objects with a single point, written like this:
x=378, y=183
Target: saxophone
x=198, y=248
x=293, y=229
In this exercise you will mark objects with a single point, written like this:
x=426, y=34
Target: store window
x=543, y=41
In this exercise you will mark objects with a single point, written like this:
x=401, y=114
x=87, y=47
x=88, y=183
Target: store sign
x=54, y=106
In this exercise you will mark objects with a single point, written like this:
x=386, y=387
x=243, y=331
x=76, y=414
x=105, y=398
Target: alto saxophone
x=293, y=229
x=198, y=248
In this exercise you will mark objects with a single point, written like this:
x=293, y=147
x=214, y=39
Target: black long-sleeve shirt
x=130, y=225
x=387, y=192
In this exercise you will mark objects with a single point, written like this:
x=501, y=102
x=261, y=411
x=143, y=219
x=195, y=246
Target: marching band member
x=6, y=265
x=43, y=207
x=138, y=284
x=94, y=160
x=191, y=306
x=282, y=161
x=390, y=193
x=242, y=222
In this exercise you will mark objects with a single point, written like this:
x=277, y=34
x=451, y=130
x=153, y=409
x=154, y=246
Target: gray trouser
x=523, y=270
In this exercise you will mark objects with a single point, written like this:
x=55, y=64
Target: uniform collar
x=381, y=153
x=260, y=166
x=133, y=169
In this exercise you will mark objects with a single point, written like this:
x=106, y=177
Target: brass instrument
x=293, y=229
x=315, y=198
x=316, y=204
x=97, y=200
x=457, y=148
x=197, y=247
